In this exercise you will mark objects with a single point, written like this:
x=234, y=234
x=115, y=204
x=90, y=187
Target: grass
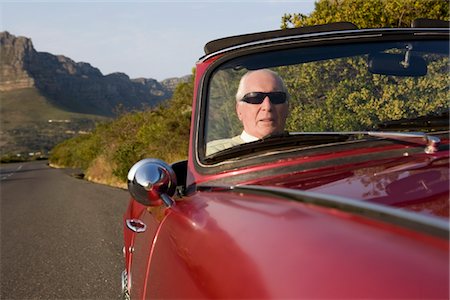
x=25, y=126
x=30, y=106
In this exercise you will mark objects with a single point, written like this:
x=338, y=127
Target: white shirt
x=247, y=137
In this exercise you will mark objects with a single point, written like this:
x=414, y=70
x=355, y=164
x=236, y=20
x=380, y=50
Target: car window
x=395, y=86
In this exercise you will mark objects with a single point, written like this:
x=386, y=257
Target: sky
x=150, y=39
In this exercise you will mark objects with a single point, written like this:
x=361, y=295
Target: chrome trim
x=125, y=287
x=124, y=279
x=420, y=138
x=430, y=225
x=150, y=180
x=431, y=32
x=136, y=225
x=433, y=144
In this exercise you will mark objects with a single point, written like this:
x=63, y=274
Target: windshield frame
x=311, y=40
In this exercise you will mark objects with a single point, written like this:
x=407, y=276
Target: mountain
x=45, y=98
x=73, y=86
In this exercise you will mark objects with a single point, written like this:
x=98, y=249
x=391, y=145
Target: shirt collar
x=247, y=137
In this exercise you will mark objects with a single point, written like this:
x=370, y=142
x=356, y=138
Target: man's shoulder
x=222, y=144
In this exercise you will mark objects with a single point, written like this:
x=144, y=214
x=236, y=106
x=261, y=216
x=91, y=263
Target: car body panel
x=228, y=245
x=380, y=178
x=385, y=181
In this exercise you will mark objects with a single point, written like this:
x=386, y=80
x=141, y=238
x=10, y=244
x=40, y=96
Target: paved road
x=61, y=237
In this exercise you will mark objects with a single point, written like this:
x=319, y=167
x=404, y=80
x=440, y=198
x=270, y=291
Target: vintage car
x=349, y=200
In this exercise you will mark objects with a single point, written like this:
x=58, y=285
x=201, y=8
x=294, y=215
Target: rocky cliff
x=46, y=98
x=74, y=86
x=15, y=56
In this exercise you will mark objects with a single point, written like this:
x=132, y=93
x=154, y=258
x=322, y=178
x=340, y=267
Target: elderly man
x=261, y=106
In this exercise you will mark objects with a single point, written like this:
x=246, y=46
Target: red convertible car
x=318, y=167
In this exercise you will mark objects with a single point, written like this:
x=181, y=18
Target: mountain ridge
x=73, y=90
x=74, y=86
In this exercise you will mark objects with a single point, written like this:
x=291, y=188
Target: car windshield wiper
x=303, y=139
x=432, y=121
x=418, y=138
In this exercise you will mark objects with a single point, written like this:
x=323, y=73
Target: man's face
x=266, y=118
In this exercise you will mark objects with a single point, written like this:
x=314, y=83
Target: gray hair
x=240, y=92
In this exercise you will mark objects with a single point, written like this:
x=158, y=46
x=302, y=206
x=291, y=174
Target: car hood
x=418, y=182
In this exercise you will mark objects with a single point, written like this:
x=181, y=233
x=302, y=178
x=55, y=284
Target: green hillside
x=29, y=123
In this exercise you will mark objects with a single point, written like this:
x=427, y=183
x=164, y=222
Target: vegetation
x=107, y=153
x=348, y=98
x=370, y=13
x=32, y=125
x=163, y=132
x=368, y=99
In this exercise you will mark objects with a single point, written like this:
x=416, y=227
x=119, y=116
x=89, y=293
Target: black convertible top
x=227, y=42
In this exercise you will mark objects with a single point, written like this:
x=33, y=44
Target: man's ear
x=238, y=111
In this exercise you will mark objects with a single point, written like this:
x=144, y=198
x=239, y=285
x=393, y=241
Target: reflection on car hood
x=419, y=183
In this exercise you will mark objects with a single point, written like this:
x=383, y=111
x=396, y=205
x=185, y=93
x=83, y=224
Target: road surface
x=61, y=237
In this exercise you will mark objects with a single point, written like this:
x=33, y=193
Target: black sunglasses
x=258, y=97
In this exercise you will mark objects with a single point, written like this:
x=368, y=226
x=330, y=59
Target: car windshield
x=391, y=86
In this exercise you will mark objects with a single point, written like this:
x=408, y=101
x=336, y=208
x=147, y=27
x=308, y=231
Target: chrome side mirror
x=152, y=182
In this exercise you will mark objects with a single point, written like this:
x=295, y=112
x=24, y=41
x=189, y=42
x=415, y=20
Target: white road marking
x=6, y=176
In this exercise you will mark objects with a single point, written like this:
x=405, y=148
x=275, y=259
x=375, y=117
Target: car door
x=195, y=254
x=144, y=226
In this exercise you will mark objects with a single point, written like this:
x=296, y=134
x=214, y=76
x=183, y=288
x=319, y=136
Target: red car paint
x=222, y=241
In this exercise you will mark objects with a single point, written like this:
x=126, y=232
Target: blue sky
x=151, y=39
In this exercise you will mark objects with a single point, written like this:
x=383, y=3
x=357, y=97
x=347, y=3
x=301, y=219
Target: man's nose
x=266, y=104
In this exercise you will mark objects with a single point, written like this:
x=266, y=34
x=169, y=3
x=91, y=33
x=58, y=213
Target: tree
x=370, y=13
x=341, y=94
